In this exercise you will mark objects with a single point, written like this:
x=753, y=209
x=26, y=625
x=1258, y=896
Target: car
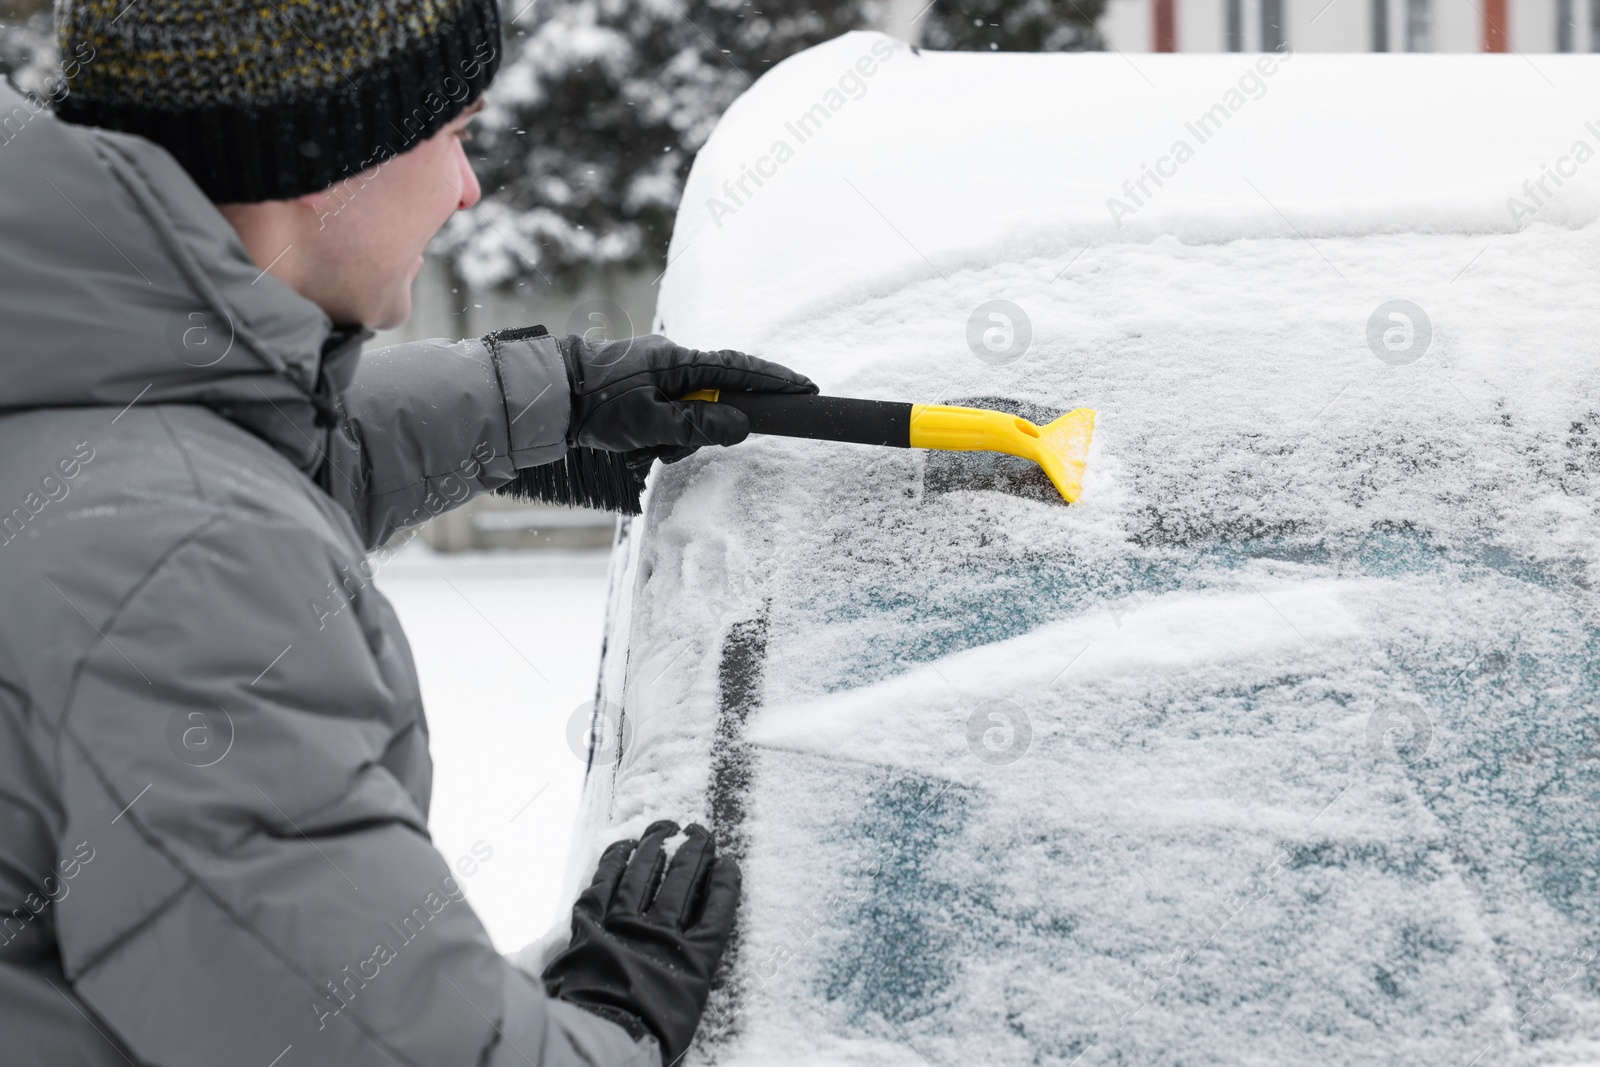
x=1282, y=744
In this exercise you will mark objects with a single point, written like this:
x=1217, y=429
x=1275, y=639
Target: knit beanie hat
x=271, y=99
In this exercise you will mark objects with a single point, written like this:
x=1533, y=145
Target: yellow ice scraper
x=1060, y=447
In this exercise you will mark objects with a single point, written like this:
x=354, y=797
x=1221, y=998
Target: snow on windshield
x=1283, y=744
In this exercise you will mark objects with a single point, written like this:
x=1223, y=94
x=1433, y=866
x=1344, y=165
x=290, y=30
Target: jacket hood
x=121, y=283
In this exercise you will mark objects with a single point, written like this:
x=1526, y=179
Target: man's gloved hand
x=646, y=943
x=625, y=395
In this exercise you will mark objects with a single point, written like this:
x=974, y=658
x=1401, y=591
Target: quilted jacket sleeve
x=431, y=424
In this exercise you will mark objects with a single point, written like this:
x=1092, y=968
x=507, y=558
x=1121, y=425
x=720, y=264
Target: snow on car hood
x=1280, y=746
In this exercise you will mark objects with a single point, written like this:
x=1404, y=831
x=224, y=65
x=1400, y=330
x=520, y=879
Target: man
x=214, y=774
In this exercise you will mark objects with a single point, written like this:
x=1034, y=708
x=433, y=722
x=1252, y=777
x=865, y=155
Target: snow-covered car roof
x=1282, y=745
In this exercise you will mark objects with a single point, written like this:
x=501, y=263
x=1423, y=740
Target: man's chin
x=395, y=314
x=398, y=309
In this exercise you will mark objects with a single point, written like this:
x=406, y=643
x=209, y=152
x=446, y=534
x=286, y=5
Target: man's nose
x=471, y=192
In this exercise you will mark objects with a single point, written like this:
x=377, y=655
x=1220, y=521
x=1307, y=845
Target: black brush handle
x=825, y=418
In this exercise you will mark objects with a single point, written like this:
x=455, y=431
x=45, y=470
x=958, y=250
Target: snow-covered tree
x=27, y=44
x=1014, y=25
x=599, y=109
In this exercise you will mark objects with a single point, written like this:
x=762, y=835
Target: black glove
x=645, y=945
x=625, y=395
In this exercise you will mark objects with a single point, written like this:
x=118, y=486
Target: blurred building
x=1353, y=25
x=606, y=306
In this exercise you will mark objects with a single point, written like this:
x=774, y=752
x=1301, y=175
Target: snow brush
x=1060, y=448
x=588, y=477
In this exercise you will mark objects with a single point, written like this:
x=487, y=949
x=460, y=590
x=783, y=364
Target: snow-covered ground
x=506, y=645
x=1280, y=747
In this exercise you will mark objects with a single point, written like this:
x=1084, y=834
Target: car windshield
x=1282, y=745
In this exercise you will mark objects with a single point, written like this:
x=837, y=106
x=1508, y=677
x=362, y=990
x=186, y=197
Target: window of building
x=1271, y=25
x=1419, y=26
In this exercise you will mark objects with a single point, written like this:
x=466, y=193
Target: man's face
x=366, y=235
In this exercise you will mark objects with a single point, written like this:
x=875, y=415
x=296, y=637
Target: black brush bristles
x=583, y=478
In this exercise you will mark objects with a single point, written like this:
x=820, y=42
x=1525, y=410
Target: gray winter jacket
x=214, y=768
